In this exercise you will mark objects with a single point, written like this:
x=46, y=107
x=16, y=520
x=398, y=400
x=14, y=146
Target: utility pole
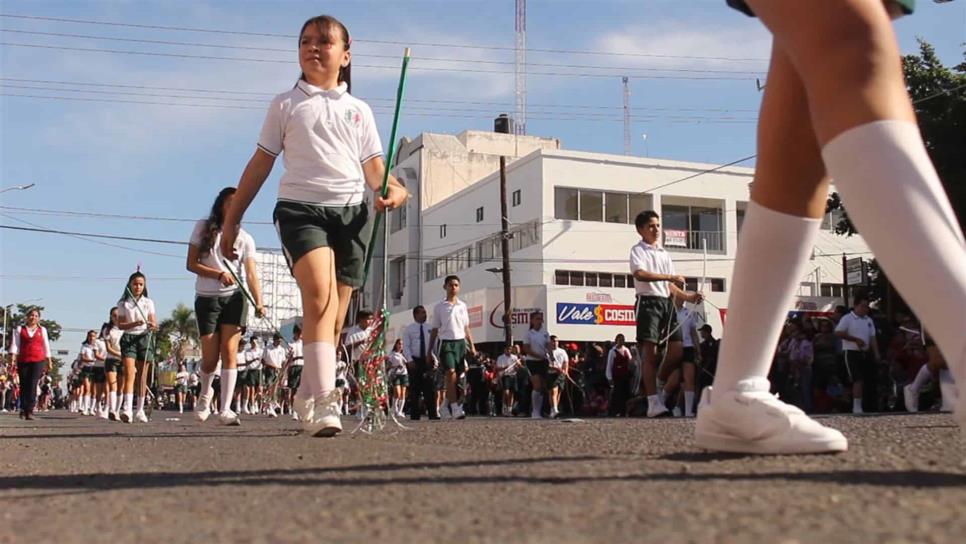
x=503, y=125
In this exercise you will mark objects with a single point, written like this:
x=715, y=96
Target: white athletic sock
x=654, y=401
x=128, y=401
x=857, y=405
x=318, y=373
x=112, y=401
x=87, y=402
x=884, y=175
x=536, y=402
x=688, y=403
x=206, y=384
x=141, y=399
x=773, y=251
x=923, y=377
x=228, y=379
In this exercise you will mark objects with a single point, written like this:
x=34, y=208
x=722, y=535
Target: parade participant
x=272, y=359
x=88, y=354
x=321, y=217
x=450, y=323
x=294, y=367
x=836, y=106
x=137, y=318
x=253, y=385
x=506, y=373
x=220, y=308
x=398, y=376
x=422, y=390
x=557, y=375
x=860, y=349
x=354, y=341
x=690, y=354
x=181, y=386
x=99, y=378
x=111, y=335
x=237, y=394
x=536, y=349
x=30, y=352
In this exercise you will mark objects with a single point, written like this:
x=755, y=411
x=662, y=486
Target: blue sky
x=112, y=153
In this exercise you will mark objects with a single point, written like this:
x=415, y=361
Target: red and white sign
x=476, y=316
x=675, y=238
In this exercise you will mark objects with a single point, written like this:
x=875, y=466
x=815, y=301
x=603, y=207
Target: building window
x=577, y=278
x=590, y=279
x=605, y=279
x=565, y=203
x=561, y=277
x=831, y=290
x=442, y=231
x=615, y=207
x=689, y=227
x=398, y=221
x=516, y=198
x=479, y=214
x=591, y=206
x=832, y=219
x=397, y=279
x=620, y=281
x=717, y=285
x=690, y=284
x=638, y=202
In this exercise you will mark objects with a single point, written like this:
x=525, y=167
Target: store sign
x=599, y=297
x=855, y=271
x=476, y=316
x=519, y=316
x=569, y=313
x=675, y=238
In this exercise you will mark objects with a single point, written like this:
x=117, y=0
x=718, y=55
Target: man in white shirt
x=272, y=360
x=655, y=281
x=416, y=348
x=506, y=375
x=451, y=324
x=858, y=335
x=557, y=377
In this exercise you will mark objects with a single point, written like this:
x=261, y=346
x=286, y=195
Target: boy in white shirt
x=857, y=332
x=506, y=376
x=557, y=378
x=450, y=322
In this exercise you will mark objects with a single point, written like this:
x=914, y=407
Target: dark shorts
x=136, y=347
x=400, y=379
x=508, y=383
x=905, y=6
x=439, y=380
x=555, y=378
x=269, y=375
x=98, y=375
x=242, y=378
x=339, y=383
x=113, y=365
x=183, y=389
x=303, y=227
x=294, y=377
x=452, y=355
x=213, y=312
x=656, y=317
x=688, y=356
x=254, y=377
x=855, y=367
x=86, y=373
x=538, y=368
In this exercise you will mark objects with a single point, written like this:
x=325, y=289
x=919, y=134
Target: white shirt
x=295, y=352
x=193, y=380
x=504, y=362
x=254, y=358
x=327, y=136
x=340, y=370
x=241, y=360
x=652, y=259
x=687, y=322
x=244, y=247
x=15, y=346
x=397, y=364
x=100, y=352
x=609, y=372
x=356, y=335
x=274, y=356
x=411, y=340
x=859, y=327
x=88, y=354
x=181, y=378
x=538, y=342
x=559, y=358
x=113, y=341
x=127, y=312
x=450, y=319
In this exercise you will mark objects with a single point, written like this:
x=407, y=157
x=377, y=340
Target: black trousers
x=619, y=395
x=30, y=373
x=422, y=386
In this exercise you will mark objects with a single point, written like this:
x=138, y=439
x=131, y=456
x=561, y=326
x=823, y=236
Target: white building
x=571, y=216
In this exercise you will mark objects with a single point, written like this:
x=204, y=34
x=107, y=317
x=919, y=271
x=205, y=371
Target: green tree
x=181, y=332
x=17, y=317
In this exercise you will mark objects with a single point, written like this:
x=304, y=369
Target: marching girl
x=294, y=367
x=398, y=377
x=136, y=345
x=111, y=335
x=99, y=378
x=30, y=352
x=181, y=386
x=220, y=307
x=332, y=152
x=88, y=354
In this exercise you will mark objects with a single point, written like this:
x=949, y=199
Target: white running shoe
x=102, y=414
x=676, y=412
x=127, y=416
x=141, y=417
x=949, y=391
x=271, y=412
x=203, y=409
x=302, y=409
x=326, y=419
x=458, y=412
x=444, y=412
x=229, y=418
x=657, y=410
x=113, y=416
x=295, y=417
x=911, y=397
x=752, y=420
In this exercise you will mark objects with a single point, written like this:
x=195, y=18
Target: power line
x=80, y=236
x=381, y=42
x=372, y=66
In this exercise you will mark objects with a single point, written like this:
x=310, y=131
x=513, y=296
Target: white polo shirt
x=358, y=336
x=244, y=247
x=505, y=362
x=327, y=135
x=254, y=358
x=295, y=351
x=558, y=358
x=858, y=327
x=397, y=364
x=127, y=312
x=241, y=360
x=651, y=259
x=539, y=342
x=687, y=321
x=88, y=354
x=274, y=357
x=100, y=353
x=450, y=319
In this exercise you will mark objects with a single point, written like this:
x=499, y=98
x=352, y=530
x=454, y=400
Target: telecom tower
x=520, y=125
x=627, y=117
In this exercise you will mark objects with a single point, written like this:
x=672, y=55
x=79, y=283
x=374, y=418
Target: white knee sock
x=689, y=403
x=112, y=401
x=228, y=379
x=894, y=197
x=773, y=251
x=141, y=399
x=206, y=384
x=128, y=401
x=923, y=377
x=318, y=374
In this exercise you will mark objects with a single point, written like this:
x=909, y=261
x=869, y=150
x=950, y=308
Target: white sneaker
x=326, y=419
x=554, y=413
x=656, y=410
x=911, y=397
x=950, y=393
x=676, y=412
x=857, y=410
x=127, y=416
x=444, y=412
x=102, y=414
x=752, y=420
x=141, y=417
x=458, y=412
x=203, y=409
x=295, y=417
x=271, y=412
x=229, y=418
x=302, y=409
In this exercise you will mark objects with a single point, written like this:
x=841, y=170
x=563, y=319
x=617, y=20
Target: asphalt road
x=480, y=480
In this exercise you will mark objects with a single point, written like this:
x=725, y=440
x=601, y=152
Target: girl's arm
x=374, y=170
x=251, y=276
x=194, y=265
x=255, y=174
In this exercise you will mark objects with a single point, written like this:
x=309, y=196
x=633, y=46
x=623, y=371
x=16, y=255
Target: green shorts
x=269, y=375
x=537, y=368
x=452, y=355
x=98, y=375
x=555, y=378
x=86, y=373
x=508, y=383
x=113, y=365
x=212, y=312
x=242, y=379
x=294, y=377
x=656, y=317
x=181, y=389
x=135, y=346
x=400, y=379
x=254, y=378
x=303, y=227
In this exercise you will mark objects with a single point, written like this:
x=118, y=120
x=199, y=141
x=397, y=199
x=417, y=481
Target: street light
x=17, y=187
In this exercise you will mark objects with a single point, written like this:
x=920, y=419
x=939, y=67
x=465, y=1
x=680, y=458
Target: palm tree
x=182, y=328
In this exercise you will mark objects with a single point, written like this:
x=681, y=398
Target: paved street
x=483, y=480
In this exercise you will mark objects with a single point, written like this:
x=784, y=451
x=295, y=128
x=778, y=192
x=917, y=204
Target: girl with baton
x=137, y=318
x=332, y=151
